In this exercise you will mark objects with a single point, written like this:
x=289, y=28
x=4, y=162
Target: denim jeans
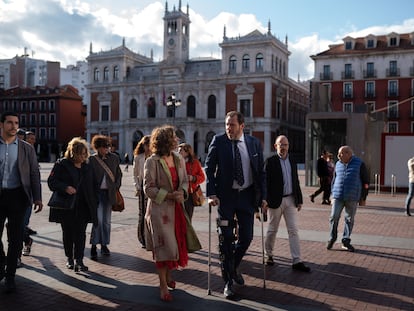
x=350, y=211
x=101, y=233
x=409, y=196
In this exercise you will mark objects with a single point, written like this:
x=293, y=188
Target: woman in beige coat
x=165, y=185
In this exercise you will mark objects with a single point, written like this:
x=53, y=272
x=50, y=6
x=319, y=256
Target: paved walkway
x=378, y=276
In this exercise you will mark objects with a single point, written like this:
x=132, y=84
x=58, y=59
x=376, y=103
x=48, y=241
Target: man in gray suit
x=20, y=185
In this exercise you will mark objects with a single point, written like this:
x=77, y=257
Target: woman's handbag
x=198, y=196
x=119, y=206
x=64, y=201
x=193, y=243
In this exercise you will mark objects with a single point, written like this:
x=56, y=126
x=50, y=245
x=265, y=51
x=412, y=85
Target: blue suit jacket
x=219, y=167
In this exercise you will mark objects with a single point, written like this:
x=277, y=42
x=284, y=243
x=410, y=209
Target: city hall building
x=129, y=94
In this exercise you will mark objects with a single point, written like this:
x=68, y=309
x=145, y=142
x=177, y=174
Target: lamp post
x=174, y=102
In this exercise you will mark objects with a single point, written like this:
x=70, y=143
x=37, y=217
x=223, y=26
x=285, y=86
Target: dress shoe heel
x=79, y=266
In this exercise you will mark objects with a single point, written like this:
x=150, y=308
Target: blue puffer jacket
x=346, y=185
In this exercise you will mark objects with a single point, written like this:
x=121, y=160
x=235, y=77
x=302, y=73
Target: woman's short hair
x=100, y=141
x=162, y=140
x=76, y=147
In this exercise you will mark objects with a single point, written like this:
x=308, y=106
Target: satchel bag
x=193, y=243
x=119, y=205
x=63, y=201
x=198, y=197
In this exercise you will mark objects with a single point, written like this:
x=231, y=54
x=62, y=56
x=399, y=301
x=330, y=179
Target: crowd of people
x=239, y=181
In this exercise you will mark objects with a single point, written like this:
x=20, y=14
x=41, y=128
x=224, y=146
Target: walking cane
x=262, y=219
x=209, y=249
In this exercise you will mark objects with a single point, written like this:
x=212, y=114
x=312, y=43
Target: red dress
x=180, y=232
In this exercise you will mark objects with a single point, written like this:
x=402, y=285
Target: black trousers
x=74, y=236
x=13, y=205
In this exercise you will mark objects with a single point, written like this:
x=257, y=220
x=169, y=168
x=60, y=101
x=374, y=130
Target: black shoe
x=27, y=247
x=346, y=244
x=79, y=266
x=269, y=261
x=228, y=291
x=300, y=266
x=348, y=247
x=94, y=253
x=238, y=278
x=31, y=231
x=70, y=264
x=407, y=213
x=19, y=263
x=10, y=285
x=326, y=202
x=312, y=198
x=330, y=244
x=105, y=250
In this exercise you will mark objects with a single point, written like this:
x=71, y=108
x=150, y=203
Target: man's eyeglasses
x=283, y=145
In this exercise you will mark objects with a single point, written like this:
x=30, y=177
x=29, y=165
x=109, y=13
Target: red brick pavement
x=378, y=276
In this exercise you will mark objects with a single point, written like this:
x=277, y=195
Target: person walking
x=141, y=153
x=324, y=181
x=195, y=175
x=284, y=198
x=348, y=181
x=73, y=176
x=108, y=175
x=410, y=164
x=235, y=184
x=166, y=184
x=20, y=185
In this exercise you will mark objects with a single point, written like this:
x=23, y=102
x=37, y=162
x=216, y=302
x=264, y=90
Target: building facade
x=130, y=94
x=55, y=115
x=371, y=74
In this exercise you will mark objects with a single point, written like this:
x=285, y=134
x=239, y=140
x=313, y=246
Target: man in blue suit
x=235, y=183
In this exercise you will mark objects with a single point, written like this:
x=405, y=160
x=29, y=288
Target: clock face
x=171, y=41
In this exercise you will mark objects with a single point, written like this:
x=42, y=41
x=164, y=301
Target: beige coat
x=160, y=214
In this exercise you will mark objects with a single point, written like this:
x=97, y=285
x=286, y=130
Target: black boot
x=79, y=266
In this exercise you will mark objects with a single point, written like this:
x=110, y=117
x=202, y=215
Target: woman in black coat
x=72, y=175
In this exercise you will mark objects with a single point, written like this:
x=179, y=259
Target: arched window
x=151, y=107
x=106, y=74
x=191, y=106
x=133, y=106
x=232, y=63
x=211, y=107
x=116, y=73
x=246, y=62
x=259, y=62
x=209, y=138
x=96, y=74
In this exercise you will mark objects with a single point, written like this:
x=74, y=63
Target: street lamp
x=173, y=102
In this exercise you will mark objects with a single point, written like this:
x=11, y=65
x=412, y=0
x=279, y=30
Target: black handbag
x=64, y=201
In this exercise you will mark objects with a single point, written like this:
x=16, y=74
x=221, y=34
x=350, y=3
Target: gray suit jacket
x=29, y=171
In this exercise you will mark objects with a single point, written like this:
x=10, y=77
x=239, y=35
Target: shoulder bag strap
x=106, y=168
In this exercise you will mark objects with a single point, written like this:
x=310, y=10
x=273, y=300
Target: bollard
x=393, y=184
x=377, y=184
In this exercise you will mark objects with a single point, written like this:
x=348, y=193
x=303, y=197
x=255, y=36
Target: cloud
x=62, y=30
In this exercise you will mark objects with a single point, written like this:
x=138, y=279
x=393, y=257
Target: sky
x=62, y=30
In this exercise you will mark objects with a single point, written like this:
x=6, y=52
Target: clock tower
x=176, y=35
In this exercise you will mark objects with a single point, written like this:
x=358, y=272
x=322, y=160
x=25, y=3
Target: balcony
x=392, y=114
x=370, y=95
x=369, y=74
x=348, y=95
x=326, y=76
x=393, y=72
x=347, y=75
x=392, y=93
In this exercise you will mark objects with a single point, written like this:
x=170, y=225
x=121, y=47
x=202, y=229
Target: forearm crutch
x=209, y=250
x=262, y=219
